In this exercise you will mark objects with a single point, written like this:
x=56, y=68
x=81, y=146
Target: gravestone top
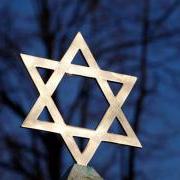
x=79, y=172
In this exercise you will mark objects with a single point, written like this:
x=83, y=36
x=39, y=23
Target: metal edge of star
x=93, y=71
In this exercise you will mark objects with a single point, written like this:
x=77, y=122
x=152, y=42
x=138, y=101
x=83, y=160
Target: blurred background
x=139, y=38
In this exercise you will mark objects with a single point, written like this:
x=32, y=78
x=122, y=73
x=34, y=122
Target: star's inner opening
x=80, y=101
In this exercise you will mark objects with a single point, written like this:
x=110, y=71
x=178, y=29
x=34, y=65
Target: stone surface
x=78, y=172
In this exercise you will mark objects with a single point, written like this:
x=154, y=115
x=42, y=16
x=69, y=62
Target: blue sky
x=114, y=33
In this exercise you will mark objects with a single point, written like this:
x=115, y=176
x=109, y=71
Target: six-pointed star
x=59, y=126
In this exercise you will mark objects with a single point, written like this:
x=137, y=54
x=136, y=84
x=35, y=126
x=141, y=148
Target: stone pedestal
x=78, y=172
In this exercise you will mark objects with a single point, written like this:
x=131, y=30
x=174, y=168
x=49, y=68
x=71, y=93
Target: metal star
x=59, y=126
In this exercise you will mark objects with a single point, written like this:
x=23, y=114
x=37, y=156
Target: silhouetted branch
x=142, y=90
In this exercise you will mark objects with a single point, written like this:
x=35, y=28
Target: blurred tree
x=139, y=38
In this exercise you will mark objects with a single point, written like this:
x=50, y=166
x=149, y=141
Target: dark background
x=139, y=38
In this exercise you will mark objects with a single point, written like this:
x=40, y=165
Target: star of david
x=59, y=126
